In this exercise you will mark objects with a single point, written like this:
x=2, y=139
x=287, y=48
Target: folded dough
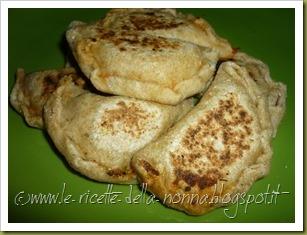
x=273, y=92
x=31, y=92
x=218, y=149
x=98, y=135
x=156, y=55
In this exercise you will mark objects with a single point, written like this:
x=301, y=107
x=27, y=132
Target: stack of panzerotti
x=161, y=100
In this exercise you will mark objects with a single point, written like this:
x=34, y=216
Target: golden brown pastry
x=31, y=92
x=221, y=147
x=147, y=54
x=98, y=134
x=168, y=23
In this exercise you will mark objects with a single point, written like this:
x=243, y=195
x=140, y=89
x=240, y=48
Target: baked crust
x=220, y=148
x=98, y=135
x=156, y=55
x=168, y=23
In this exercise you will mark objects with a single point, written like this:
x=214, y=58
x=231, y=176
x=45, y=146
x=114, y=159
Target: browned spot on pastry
x=235, y=50
x=158, y=43
x=35, y=103
x=227, y=126
x=149, y=168
x=50, y=83
x=105, y=34
x=131, y=116
x=208, y=179
x=79, y=82
x=187, y=189
x=116, y=172
x=150, y=13
x=152, y=21
x=34, y=110
x=242, y=114
x=125, y=27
